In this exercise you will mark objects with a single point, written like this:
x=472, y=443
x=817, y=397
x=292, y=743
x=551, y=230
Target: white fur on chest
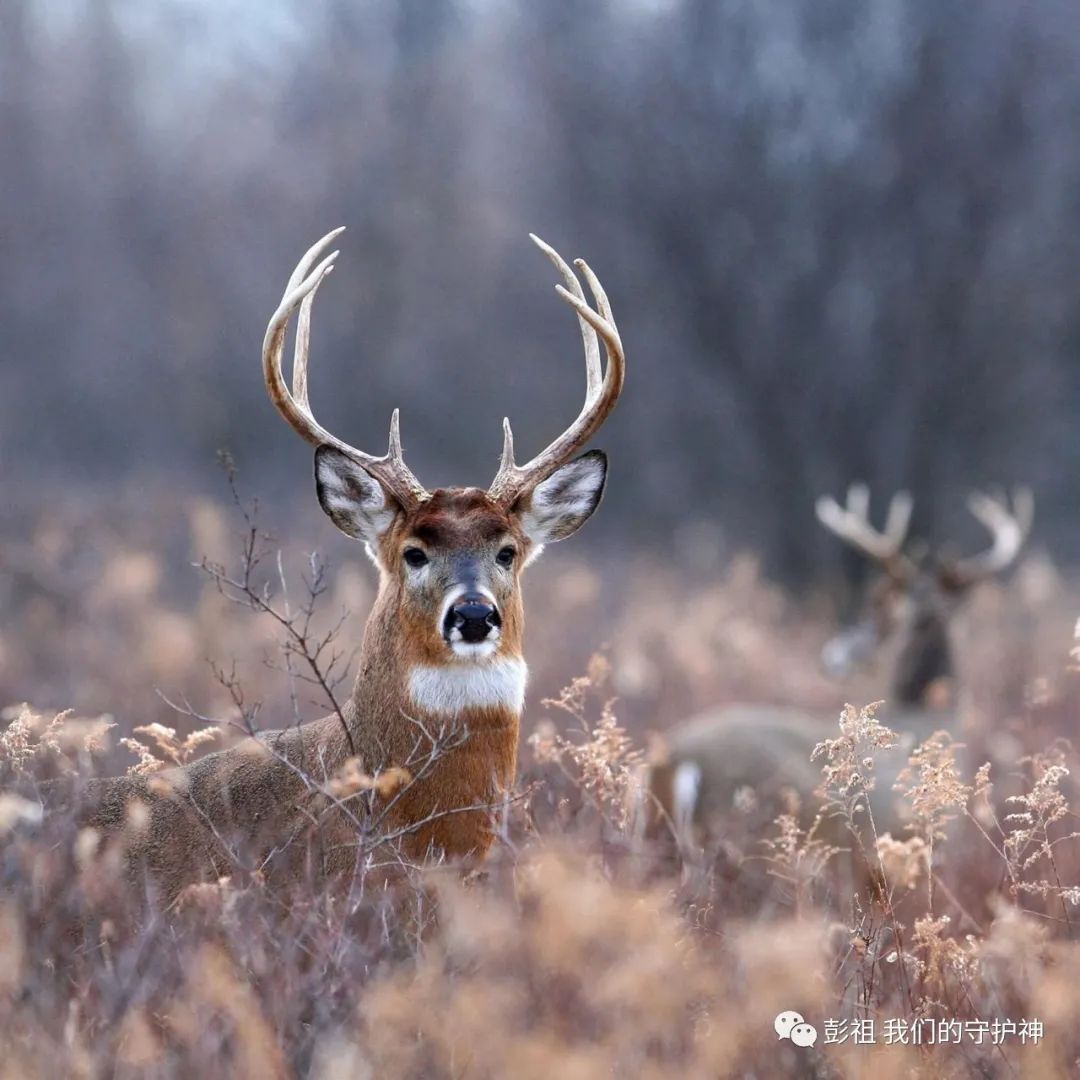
x=450, y=690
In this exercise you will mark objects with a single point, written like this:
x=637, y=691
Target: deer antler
x=602, y=388
x=1009, y=529
x=852, y=523
x=390, y=469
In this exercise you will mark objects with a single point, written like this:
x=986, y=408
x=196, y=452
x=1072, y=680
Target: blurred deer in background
x=914, y=600
x=441, y=675
x=702, y=766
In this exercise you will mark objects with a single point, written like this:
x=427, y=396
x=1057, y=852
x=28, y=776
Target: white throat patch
x=449, y=690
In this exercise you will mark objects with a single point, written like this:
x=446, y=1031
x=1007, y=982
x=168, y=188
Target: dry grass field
x=580, y=948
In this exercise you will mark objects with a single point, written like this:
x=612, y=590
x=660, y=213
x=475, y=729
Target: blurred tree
x=842, y=239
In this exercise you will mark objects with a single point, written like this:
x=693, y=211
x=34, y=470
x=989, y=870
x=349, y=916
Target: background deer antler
x=852, y=524
x=1009, y=529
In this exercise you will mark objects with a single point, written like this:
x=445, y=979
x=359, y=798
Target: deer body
x=441, y=677
x=703, y=764
x=255, y=803
x=707, y=762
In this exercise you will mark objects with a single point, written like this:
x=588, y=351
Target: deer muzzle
x=471, y=619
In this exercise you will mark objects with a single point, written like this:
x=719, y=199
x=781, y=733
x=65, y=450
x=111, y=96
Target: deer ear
x=351, y=497
x=559, y=506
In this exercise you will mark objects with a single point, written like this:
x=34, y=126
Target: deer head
x=917, y=594
x=450, y=560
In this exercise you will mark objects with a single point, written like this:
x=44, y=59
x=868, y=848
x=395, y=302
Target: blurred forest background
x=842, y=240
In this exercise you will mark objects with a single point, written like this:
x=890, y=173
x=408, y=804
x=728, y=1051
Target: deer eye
x=415, y=558
x=506, y=556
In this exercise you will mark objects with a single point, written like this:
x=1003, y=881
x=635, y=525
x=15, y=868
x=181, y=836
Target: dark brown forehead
x=456, y=516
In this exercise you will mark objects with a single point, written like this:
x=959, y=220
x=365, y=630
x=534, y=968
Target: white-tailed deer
x=441, y=676
x=702, y=765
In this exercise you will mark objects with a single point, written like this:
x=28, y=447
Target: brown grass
x=578, y=950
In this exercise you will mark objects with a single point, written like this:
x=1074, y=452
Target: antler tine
x=593, y=372
x=858, y=500
x=390, y=469
x=302, y=347
x=602, y=388
x=899, y=518
x=1009, y=528
x=309, y=257
x=852, y=524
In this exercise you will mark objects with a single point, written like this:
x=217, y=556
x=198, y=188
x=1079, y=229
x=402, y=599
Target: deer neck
x=924, y=664
x=453, y=725
x=405, y=689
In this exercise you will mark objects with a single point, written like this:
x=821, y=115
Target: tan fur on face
x=453, y=522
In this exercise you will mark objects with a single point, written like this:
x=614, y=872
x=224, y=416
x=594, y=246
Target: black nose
x=474, y=617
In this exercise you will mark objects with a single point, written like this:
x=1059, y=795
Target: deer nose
x=473, y=617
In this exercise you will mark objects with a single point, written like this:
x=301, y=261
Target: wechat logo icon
x=790, y=1025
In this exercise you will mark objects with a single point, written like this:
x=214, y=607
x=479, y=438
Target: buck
x=703, y=764
x=441, y=677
